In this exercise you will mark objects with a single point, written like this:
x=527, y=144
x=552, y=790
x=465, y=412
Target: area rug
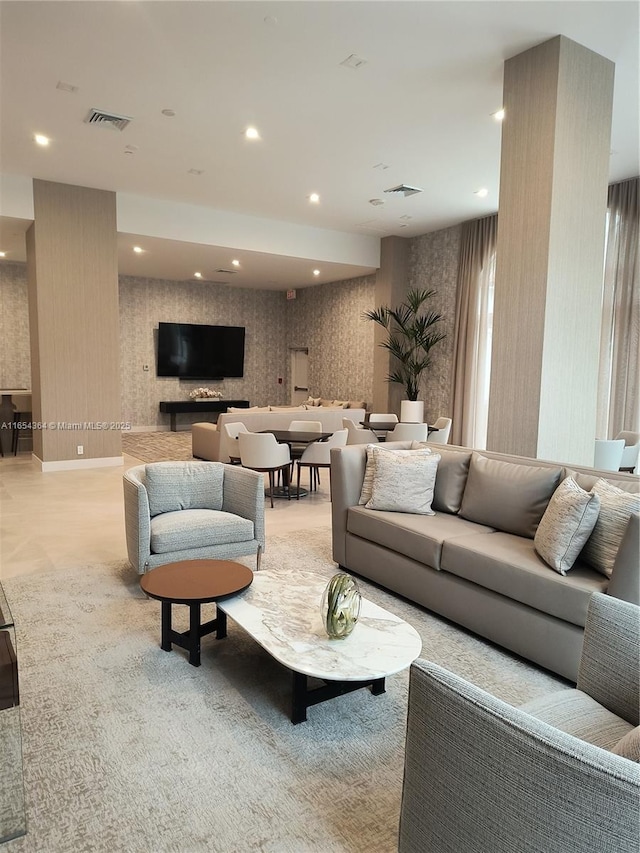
x=158, y=446
x=127, y=747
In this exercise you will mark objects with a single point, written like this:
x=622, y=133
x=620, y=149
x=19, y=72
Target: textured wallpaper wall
x=15, y=355
x=327, y=319
x=433, y=264
x=146, y=302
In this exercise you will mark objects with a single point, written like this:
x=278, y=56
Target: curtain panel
x=473, y=330
x=619, y=376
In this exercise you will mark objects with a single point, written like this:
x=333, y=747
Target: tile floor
x=64, y=519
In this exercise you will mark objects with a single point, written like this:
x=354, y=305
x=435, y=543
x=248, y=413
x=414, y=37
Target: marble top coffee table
x=281, y=611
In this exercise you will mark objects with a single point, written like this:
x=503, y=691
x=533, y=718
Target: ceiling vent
x=405, y=189
x=112, y=120
x=227, y=272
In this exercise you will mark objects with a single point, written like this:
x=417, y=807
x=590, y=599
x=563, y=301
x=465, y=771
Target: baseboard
x=77, y=464
x=152, y=428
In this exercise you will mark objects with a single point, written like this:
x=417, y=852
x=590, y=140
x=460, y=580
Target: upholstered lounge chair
x=192, y=510
x=481, y=775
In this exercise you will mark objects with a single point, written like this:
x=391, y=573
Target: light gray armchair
x=192, y=510
x=481, y=775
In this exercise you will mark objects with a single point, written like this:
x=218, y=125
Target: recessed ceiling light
x=168, y=113
x=66, y=87
x=314, y=198
x=376, y=202
x=197, y=275
x=196, y=172
x=499, y=114
x=138, y=250
x=251, y=133
x=41, y=140
x=483, y=192
x=3, y=254
x=316, y=272
x=354, y=62
x=235, y=263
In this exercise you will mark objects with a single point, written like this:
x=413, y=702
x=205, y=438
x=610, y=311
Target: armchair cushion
x=174, y=486
x=197, y=528
x=629, y=745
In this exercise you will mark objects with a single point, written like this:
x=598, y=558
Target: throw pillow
x=629, y=745
x=312, y=401
x=172, y=486
x=451, y=479
x=404, y=483
x=566, y=525
x=508, y=496
x=616, y=507
x=357, y=404
x=340, y=404
x=369, y=471
x=324, y=402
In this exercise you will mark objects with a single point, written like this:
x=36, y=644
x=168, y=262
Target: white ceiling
x=421, y=106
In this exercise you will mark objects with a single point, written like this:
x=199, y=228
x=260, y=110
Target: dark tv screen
x=194, y=351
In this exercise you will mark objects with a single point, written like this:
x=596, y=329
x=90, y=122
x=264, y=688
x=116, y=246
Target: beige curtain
x=473, y=330
x=619, y=377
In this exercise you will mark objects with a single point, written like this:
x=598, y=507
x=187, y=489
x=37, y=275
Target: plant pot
x=412, y=411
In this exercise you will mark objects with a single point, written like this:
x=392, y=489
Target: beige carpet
x=128, y=748
x=157, y=446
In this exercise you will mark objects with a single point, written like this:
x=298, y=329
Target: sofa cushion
x=451, y=478
x=325, y=402
x=287, y=409
x=370, y=468
x=506, y=495
x=577, y=714
x=356, y=404
x=248, y=409
x=566, y=525
x=403, y=483
x=173, y=486
x=629, y=745
x=418, y=537
x=509, y=565
x=616, y=507
x=197, y=528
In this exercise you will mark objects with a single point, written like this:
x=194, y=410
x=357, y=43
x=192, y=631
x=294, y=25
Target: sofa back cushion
x=173, y=486
x=508, y=496
x=451, y=478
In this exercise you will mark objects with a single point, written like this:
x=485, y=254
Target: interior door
x=299, y=374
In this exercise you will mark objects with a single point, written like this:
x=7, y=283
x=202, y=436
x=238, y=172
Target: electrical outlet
x=80, y=450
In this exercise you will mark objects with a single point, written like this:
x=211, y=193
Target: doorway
x=299, y=375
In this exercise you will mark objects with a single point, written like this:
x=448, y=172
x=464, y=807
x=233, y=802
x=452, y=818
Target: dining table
x=386, y=426
x=294, y=436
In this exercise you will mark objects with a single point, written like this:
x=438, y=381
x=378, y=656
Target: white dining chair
x=318, y=455
x=630, y=451
x=261, y=452
x=607, y=455
x=355, y=435
x=441, y=430
x=408, y=432
x=229, y=448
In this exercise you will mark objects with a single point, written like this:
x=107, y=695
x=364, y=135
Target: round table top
x=192, y=581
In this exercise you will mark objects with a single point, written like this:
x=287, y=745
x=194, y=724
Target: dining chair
x=21, y=414
x=318, y=455
x=229, y=448
x=261, y=452
x=630, y=451
x=408, y=432
x=440, y=431
x=355, y=435
x=607, y=455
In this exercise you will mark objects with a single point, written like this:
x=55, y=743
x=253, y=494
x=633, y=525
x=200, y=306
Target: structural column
x=391, y=289
x=72, y=271
x=551, y=231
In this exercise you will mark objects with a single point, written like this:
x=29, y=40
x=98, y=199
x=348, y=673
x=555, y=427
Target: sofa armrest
x=244, y=495
x=481, y=775
x=609, y=670
x=347, y=474
x=625, y=577
x=137, y=518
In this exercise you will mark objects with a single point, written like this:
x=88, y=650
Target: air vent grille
x=405, y=189
x=113, y=120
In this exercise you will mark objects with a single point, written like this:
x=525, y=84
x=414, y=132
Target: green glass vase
x=341, y=606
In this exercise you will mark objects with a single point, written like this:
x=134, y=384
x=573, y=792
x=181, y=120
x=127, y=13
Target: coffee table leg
x=165, y=642
x=194, y=634
x=377, y=687
x=221, y=624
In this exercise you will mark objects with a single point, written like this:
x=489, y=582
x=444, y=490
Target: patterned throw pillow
x=404, y=483
x=369, y=471
x=566, y=525
x=616, y=507
x=629, y=745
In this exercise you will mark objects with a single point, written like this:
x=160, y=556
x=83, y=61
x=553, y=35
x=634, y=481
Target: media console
x=181, y=407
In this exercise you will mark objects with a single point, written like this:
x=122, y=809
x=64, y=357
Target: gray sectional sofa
x=474, y=561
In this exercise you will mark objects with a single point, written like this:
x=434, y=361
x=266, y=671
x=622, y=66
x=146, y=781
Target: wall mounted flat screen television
x=194, y=351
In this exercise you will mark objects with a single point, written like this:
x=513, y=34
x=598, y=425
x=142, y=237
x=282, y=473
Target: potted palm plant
x=411, y=335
